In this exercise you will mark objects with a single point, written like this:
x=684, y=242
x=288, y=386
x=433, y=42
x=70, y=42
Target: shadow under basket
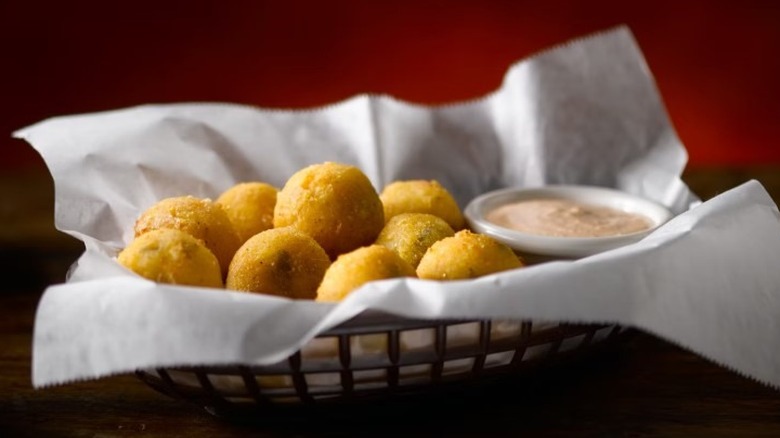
x=375, y=356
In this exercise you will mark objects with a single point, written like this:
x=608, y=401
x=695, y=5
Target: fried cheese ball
x=466, y=255
x=201, y=218
x=279, y=261
x=250, y=207
x=411, y=234
x=421, y=196
x=352, y=270
x=333, y=203
x=172, y=256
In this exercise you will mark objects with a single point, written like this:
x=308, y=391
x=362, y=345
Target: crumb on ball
x=250, y=207
x=279, y=261
x=334, y=203
x=466, y=255
x=354, y=269
x=421, y=196
x=172, y=256
x=411, y=234
x=200, y=218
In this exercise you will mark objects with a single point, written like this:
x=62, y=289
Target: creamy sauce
x=564, y=218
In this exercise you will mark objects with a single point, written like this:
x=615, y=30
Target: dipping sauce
x=565, y=218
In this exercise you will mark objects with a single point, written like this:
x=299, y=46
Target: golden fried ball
x=466, y=255
x=250, y=207
x=201, y=218
x=172, y=256
x=352, y=270
x=411, y=234
x=280, y=261
x=333, y=203
x=420, y=196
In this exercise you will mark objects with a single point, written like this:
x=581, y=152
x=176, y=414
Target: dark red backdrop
x=717, y=64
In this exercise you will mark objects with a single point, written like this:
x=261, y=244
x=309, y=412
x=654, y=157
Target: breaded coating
x=250, y=207
x=411, y=234
x=201, y=218
x=466, y=255
x=333, y=203
x=352, y=270
x=172, y=256
x=280, y=261
x=420, y=196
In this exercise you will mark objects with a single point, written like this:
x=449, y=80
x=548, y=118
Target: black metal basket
x=377, y=355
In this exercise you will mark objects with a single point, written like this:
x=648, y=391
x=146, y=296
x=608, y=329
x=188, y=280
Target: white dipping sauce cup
x=565, y=247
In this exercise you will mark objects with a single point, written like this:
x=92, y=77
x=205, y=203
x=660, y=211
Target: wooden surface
x=646, y=387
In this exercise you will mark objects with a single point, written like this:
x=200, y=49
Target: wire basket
x=379, y=355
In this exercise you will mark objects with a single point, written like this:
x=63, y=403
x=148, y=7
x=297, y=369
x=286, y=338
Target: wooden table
x=646, y=387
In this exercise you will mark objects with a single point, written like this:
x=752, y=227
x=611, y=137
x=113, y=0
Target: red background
x=717, y=64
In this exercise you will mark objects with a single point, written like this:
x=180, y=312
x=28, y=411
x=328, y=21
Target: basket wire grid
x=376, y=355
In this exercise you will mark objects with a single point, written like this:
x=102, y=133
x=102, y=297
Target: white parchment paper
x=583, y=113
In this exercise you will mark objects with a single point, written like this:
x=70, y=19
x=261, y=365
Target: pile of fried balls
x=323, y=235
